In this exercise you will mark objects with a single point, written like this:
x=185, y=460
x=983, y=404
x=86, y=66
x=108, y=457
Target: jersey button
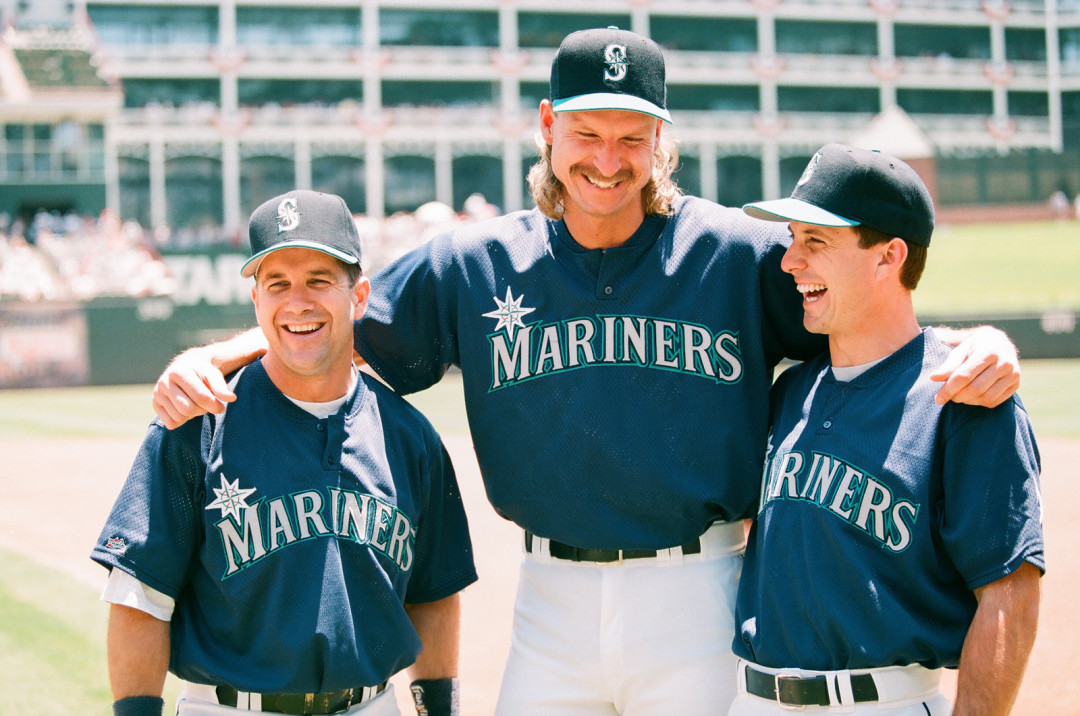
x=827, y=424
x=320, y=427
x=329, y=461
x=607, y=290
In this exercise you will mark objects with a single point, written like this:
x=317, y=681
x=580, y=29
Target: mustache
x=590, y=173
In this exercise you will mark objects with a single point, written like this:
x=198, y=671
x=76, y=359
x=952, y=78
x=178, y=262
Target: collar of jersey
x=640, y=240
x=908, y=354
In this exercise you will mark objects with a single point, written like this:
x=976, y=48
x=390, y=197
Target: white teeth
x=303, y=328
x=600, y=183
x=809, y=287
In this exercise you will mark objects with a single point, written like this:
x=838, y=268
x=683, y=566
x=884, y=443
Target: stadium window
x=262, y=177
x=172, y=92
x=924, y=101
x=738, y=180
x=445, y=28
x=730, y=98
x=802, y=37
x=477, y=174
x=958, y=42
x=410, y=182
x=422, y=93
x=298, y=27
x=791, y=168
x=341, y=175
x=1029, y=104
x=704, y=34
x=193, y=194
x=532, y=92
x=155, y=24
x=547, y=29
x=1025, y=44
x=1069, y=42
x=260, y=92
x=687, y=175
x=829, y=99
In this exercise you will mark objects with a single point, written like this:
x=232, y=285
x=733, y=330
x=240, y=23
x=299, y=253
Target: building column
x=159, y=213
x=770, y=170
x=230, y=183
x=444, y=174
x=112, y=170
x=302, y=161
x=767, y=65
x=998, y=63
x=1053, y=76
x=512, y=191
x=886, y=68
x=639, y=17
x=374, y=177
x=710, y=180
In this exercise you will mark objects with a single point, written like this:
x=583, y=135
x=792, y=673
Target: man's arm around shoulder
x=998, y=644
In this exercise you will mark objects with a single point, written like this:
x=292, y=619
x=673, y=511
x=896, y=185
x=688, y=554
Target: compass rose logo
x=231, y=499
x=509, y=312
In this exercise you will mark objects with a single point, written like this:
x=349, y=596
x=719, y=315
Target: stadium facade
x=189, y=113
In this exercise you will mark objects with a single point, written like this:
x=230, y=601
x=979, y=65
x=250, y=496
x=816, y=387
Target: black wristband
x=138, y=706
x=436, y=697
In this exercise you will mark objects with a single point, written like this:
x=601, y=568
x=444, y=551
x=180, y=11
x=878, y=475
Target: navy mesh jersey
x=880, y=512
x=617, y=398
x=290, y=543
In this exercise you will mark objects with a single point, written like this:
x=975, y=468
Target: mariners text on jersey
x=267, y=526
x=844, y=490
x=541, y=349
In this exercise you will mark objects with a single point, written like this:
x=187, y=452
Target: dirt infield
x=77, y=480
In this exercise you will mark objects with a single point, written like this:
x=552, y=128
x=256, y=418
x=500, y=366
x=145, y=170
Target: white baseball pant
x=648, y=636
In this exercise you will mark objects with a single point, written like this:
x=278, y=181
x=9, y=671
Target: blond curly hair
x=657, y=195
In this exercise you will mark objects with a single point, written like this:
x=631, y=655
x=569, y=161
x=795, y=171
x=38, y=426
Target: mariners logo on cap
x=288, y=215
x=809, y=171
x=615, y=55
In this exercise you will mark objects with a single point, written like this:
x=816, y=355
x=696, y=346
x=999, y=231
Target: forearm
x=998, y=644
x=439, y=626
x=236, y=352
x=138, y=652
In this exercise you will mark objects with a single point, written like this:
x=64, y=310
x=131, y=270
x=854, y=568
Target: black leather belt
x=328, y=702
x=558, y=550
x=805, y=690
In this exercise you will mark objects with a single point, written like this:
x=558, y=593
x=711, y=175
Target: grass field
x=1001, y=267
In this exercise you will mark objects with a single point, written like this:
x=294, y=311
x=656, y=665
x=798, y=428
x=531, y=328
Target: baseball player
x=292, y=553
x=907, y=534
x=616, y=347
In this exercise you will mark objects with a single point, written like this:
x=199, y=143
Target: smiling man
x=292, y=553
x=907, y=534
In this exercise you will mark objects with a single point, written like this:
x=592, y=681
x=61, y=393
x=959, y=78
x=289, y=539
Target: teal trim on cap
x=796, y=210
x=610, y=100
x=256, y=260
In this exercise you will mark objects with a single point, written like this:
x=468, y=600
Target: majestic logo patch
x=116, y=544
x=230, y=498
x=615, y=56
x=288, y=215
x=509, y=312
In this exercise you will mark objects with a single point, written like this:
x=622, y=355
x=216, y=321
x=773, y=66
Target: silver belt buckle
x=779, y=678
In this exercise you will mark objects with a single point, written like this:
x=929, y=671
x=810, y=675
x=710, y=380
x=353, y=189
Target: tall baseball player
x=908, y=534
x=616, y=347
x=292, y=553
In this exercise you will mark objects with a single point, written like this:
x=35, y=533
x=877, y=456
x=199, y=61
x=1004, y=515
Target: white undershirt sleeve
x=125, y=590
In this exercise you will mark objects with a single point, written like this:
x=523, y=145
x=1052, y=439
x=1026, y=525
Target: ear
x=361, y=291
x=547, y=119
x=893, y=255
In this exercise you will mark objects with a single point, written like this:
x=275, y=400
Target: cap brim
x=795, y=210
x=252, y=265
x=610, y=100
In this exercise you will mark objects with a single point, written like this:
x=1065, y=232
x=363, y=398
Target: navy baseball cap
x=306, y=220
x=609, y=69
x=847, y=186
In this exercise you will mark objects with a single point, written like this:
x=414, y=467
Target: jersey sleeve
x=783, y=332
x=991, y=516
x=153, y=532
x=408, y=334
x=444, y=557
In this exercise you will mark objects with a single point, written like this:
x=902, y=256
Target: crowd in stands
x=65, y=257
